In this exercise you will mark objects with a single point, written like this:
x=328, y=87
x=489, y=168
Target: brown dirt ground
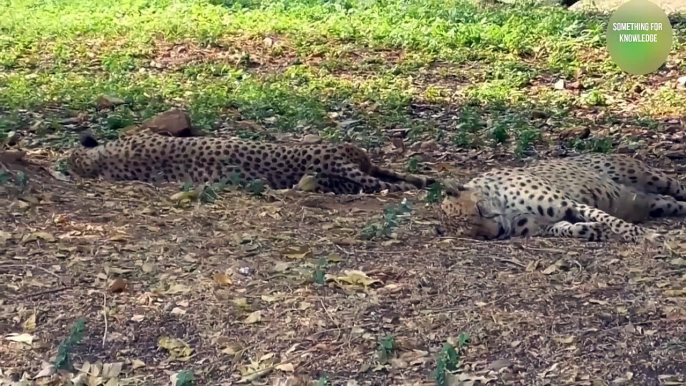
x=538, y=311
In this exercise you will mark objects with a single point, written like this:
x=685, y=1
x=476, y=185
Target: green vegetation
x=303, y=65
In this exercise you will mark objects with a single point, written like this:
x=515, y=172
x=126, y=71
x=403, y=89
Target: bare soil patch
x=235, y=282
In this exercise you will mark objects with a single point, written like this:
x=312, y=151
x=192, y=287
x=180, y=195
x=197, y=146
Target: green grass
x=367, y=60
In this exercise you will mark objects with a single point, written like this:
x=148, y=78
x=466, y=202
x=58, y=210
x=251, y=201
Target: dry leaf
x=286, y=367
x=23, y=338
x=297, y=252
x=353, y=277
x=222, y=279
x=232, y=349
x=136, y=364
x=178, y=289
x=46, y=371
x=177, y=348
x=567, y=340
x=117, y=285
x=30, y=323
x=112, y=370
x=254, y=317
x=183, y=198
x=119, y=237
x=45, y=236
x=307, y=183
x=4, y=237
x=241, y=303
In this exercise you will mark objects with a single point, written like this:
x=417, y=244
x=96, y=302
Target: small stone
x=575, y=86
x=681, y=81
x=108, y=102
x=577, y=132
x=174, y=122
x=560, y=84
x=311, y=138
x=539, y=114
x=624, y=149
x=12, y=138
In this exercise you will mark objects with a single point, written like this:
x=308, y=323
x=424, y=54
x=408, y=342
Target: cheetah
x=590, y=196
x=149, y=157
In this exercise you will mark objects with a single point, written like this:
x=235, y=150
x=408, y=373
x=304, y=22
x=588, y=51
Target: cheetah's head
x=84, y=160
x=467, y=212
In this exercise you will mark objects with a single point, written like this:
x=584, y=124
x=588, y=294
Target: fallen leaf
x=30, y=323
x=45, y=236
x=23, y=338
x=254, y=317
x=679, y=292
x=136, y=364
x=353, y=277
x=596, y=301
x=119, y=237
x=297, y=252
x=222, y=279
x=117, y=285
x=286, y=367
x=232, y=349
x=241, y=303
x=112, y=370
x=177, y=348
x=46, y=371
x=178, y=289
x=4, y=237
x=567, y=340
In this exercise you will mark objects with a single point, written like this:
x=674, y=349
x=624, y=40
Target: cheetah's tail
x=387, y=175
x=87, y=140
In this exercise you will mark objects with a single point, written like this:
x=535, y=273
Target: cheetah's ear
x=453, y=188
x=87, y=140
x=485, y=209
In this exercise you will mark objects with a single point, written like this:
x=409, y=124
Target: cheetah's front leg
x=628, y=231
x=591, y=231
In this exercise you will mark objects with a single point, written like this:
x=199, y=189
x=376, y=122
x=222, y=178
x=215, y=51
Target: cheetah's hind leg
x=386, y=175
x=355, y=182
x=665, y=206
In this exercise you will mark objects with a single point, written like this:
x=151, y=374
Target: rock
x=575, y=86
x=624, y=149
x=539, y=114
x=577, y=132
x=108, y=102
x=681, y=81
x=311, y=138
x=174, y=122
x=560, y=84
x=12, y=138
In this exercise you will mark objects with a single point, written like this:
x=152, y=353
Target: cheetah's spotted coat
x=587, y=196
x=337, y=168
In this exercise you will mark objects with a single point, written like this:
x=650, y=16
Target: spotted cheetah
x=148, y=157
x=588, y=196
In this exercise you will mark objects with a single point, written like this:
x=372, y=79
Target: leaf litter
x=250, y=289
